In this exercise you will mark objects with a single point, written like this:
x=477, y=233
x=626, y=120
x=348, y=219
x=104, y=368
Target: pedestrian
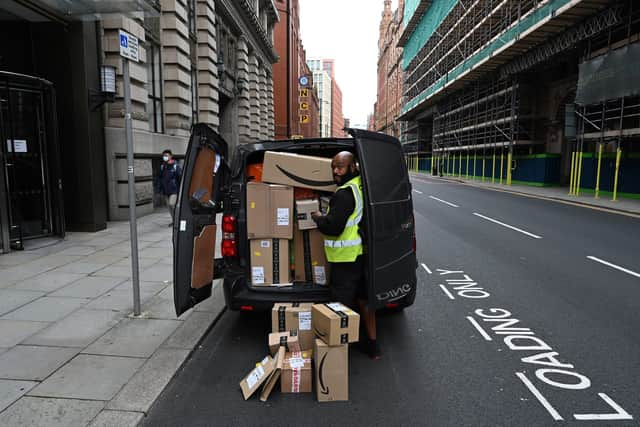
x=168, y=181
x=342, y=227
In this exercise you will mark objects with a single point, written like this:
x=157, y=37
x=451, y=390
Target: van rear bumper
x=237, y=294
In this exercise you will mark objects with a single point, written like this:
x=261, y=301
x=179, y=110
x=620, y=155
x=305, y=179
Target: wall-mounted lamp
x=107, y=92
x=241, y=85
x=221, y=67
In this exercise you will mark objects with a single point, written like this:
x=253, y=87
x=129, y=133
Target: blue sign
x=303, y=80
x=124, y=40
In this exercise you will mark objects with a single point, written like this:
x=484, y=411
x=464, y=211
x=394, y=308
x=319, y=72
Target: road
x=513, y=324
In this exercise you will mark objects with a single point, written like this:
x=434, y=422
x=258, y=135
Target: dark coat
x=168, y=179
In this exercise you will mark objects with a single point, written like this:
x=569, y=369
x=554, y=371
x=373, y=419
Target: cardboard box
x=269, y=262
x=303, y=213
x=335, y=323
x=257, y=376
x=296, y=376
x=287, y=340
x=298, y=171
x=269, y=211
x=294, y=317
x=274, y=377
x=331, y=371
x=310, y=261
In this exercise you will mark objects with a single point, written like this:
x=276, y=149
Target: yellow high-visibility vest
x=348, y=245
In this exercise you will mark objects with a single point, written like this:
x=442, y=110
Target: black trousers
x=348, y=282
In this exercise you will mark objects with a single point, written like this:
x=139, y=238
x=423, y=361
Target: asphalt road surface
x=527, y=313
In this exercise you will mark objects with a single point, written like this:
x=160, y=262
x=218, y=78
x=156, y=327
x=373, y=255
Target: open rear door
x=389, y=214
x=194, y=230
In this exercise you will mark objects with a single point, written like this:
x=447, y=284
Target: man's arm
x=340, y=208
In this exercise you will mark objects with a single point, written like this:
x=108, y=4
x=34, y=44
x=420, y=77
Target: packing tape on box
x=281, y=310
x=295, y=380
x=283, y=342
x=344, y=318
x=276, y=261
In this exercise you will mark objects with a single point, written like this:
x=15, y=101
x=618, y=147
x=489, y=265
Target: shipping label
x=320, y=278
x=257, y=275
x=283, y=216
x=304, y=321
x=255, y=376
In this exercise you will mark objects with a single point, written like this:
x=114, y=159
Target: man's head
x=167, y=155
x=343, y=166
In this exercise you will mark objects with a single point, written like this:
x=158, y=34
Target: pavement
x=71, y=351
x=622, y=205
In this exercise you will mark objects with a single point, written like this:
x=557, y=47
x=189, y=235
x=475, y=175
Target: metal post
x=579, y=177
x=510, y=159
x=467, y=171
x=598, y=173
x=573, y=161
x=501, y=164
x=493, y=167
x=474, y=165
x=460, y=165
x=483, y=162
x=615, y=180
x=132, y=189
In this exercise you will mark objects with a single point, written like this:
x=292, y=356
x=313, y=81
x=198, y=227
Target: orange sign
x=304, y=118
x=304, y=106
x=304, y=93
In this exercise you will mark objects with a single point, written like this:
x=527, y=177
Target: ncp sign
x=128, y=46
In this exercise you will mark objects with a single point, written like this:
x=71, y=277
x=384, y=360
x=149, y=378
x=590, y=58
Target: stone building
x=200, y=61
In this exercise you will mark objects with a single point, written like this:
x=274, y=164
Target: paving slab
x=151, y=252
x=117, y=419
x=143, y=263
x=81, y=267
x=114, y=271
x=25, y=362
x=78, y=250
x=88, y=287
x=120, y=299
x=79, y=329
x=10, y=391
x=46, y=309
x=10, y=299
x=157, y=273
x=8, y=260
x=154, y=287
x=12, y=332
x=134, y=338
x=47, y=282
x=89, y=377
x=191, y=330
x=104, y=258
x=147, y=384
x=34, y=411
x=162, y=308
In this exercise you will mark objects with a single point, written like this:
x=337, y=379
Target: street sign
x=303, y=80
x=304, y=106
x=304, y=93
x=128, y=46
x=304, y=118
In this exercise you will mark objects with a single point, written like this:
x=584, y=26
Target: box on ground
x=270, y=383
x=335, y=323
x=256, y=377
x=296, y=375
x=303, y=213
x=294, y=317
x=269, y=262
x=331, y=371
x=288, y=340
x=298, y=171
x=309, y=258
x=269, y=211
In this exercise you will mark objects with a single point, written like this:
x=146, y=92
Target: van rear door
x=390, y=226
x=204, y=176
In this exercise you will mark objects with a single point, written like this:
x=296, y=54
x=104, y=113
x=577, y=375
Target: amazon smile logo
x=305, y=181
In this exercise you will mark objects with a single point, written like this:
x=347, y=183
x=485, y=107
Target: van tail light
x=246, y=308
x=392, y=305
x=229, y=245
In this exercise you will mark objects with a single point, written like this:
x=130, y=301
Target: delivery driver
x=343, y=244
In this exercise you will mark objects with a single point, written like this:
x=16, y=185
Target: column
x=208, y=95
x=270, y=109
x=244, y=107
x=262, y=88
x=254, y=97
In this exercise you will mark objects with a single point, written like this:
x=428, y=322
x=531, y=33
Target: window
x=194, y=94
x=155, y=111
x=191, y=6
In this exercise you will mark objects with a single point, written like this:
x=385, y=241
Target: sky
x=347, y=31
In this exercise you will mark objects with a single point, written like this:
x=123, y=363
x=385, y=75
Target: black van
x=211, y=184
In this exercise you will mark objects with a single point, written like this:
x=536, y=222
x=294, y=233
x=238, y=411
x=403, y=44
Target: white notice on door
x=255, y=376
x=304, y=321
x=318, y=273
x=257, y=275
x=20, y=145
x=283, y=216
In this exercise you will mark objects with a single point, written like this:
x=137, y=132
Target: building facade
x=390, y=76
x=337, y=119
x=296, y=109
x=322, y=84
x=200, y=61
x=524, y=90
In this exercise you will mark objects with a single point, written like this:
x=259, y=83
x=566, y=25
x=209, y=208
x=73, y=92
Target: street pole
x=132, y=188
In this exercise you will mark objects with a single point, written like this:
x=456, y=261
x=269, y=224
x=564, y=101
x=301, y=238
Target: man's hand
x=315, y=216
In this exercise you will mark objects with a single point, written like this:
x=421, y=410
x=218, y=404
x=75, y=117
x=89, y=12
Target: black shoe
x=370, y=348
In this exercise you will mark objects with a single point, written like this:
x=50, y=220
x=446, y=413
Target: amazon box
x=269, y=211
x=257, y=376
x=303, y=213
x=296, y=376
x=294, y=317
x=310, y=261
x=298, y=171
x=335, y=323
x=274, y=377
x=331, y=371
x=288, y=340
x=269, y=262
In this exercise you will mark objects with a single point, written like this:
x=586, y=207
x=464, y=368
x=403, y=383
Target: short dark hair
x=167, y=151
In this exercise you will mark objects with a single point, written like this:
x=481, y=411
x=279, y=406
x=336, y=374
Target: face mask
x=165, y=158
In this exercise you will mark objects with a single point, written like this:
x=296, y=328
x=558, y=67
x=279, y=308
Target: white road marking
x=445, y=202
x=543, y=400
x=479, y=328
x=446, y=291
x=419, y=192
x=620, y=414
x=426, y=268
x=508, y=226
x=617, y=267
